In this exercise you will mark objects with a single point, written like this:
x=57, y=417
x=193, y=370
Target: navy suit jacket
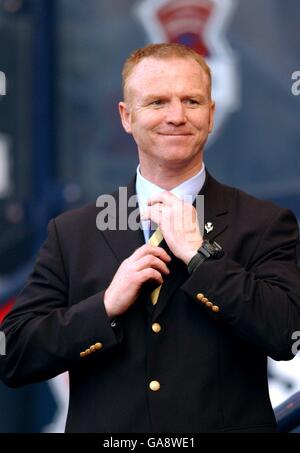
x=211, y=365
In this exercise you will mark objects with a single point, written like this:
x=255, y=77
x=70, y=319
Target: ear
x=125, y=116
x=211, y=116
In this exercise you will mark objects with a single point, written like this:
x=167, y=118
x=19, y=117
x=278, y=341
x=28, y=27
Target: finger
x=147, y=249
x=154, y=213
x=151, y=274
x=167, y=198
x=152, y=261
x=145, y=215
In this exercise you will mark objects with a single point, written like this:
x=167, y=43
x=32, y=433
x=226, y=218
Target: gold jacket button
x=93, y=348
x=98, y=346
x=204, y=300
x=215, y=308
x=156, y=327
x=154, y=386
x=209, y=304
x=82, y=354
x=88, y=351
x=200, y=296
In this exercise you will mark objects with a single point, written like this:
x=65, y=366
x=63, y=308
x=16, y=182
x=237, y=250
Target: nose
x=175, y=113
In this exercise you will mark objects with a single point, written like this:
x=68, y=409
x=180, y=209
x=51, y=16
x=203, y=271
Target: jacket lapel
x=124, y=240
x=216, y=207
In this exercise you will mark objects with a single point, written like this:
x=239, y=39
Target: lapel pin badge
x=208, y=227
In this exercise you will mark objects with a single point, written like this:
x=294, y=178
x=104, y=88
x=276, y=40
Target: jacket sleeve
x=260, y=303
x=44, y=335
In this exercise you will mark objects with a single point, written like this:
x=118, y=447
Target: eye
x=191, y=102
x=157, y=102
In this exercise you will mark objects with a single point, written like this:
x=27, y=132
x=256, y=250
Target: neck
x=168, y=177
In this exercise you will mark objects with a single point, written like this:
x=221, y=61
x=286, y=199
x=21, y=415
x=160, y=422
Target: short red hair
x=163, y=51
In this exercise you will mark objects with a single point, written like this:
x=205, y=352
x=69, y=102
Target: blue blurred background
x=62, y=144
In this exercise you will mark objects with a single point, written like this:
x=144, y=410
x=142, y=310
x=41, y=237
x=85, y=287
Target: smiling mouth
x=174, y=135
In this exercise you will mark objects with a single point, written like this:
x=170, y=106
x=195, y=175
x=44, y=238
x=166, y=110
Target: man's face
x=168, y=111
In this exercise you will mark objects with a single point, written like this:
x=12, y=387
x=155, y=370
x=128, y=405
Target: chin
x=177, y=159
x=179, y=153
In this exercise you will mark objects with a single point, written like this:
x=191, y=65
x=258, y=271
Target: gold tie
x=155, y=239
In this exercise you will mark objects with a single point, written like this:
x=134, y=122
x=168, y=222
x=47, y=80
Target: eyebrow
x=199, y=97
x=151, y=97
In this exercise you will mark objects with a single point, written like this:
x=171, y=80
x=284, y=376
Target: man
x=168, y=336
